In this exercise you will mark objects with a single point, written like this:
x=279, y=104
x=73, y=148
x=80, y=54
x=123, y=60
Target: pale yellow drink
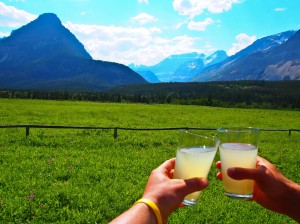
x=237, y=155
x=193, y=162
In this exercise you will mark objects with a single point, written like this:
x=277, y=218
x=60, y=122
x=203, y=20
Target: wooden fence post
x=27, y=131
x=115, y=133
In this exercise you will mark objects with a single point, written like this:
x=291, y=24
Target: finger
x=218, y=165
x=256, y=174
x=167, y=166
x=261, y=159
x=181, y=205
x=195, y=184
x=219, y=176
x=171, y=174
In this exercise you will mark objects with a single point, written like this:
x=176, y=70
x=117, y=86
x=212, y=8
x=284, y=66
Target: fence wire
x=29, y=126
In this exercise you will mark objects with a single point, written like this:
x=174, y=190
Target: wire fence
x=32, y=126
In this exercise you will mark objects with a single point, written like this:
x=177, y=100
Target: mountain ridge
x=249, y=63
x=199, y=70
x=43, y=54
x=179, y=67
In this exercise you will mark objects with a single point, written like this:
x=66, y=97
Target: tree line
x=240, y=94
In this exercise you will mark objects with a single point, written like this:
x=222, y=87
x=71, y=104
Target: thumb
x=238, y=173
x=195, y=184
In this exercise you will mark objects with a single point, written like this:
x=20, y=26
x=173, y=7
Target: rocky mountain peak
x=49, y=18
x=46, y=34
x=45, y=55
x=46, y=25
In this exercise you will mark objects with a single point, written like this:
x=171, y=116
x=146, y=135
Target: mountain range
x=178, y=68
x=45, y=55
x=274, y=57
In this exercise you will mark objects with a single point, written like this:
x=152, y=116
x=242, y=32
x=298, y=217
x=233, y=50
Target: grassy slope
x=79, y=176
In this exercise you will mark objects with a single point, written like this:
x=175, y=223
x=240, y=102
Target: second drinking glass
x=238, y=148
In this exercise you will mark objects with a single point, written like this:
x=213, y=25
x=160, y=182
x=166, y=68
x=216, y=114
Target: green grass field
x=87, y=176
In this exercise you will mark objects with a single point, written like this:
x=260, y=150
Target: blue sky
x=147, y=31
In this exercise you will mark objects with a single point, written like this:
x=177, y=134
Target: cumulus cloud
x=280, y=9
x=143, y=1
x=83, y=13
x=4, y=34
x=12, y=17
x=126, y=45
x=243, y=41
x=143, y=18
x=139, y=45
x=192, y=8
x=80, y=0
x=200, y=26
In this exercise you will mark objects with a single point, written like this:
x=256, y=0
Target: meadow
x=87, y=176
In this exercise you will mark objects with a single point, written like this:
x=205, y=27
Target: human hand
x=168, y=193
x=271, y=189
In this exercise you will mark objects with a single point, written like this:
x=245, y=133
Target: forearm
x=292, y=202
x=139, y=213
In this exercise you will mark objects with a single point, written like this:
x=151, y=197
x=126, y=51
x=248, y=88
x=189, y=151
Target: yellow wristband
x=153, y=207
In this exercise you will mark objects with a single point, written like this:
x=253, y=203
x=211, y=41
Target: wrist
x=161, y=207
x=147, y=211
x=152, y=207
x=292, y=201
x=138, y=213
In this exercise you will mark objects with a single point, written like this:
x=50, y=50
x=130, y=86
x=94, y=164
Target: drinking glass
x=194, y=157
x=238, y=148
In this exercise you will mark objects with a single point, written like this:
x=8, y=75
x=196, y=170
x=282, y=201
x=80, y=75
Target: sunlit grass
x=87, y=176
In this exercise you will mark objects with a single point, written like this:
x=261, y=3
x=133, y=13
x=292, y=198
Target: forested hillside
x=242, y=94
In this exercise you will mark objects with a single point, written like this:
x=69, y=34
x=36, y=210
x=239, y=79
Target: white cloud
x=200, y=26
x=143, y=1
x=83, y=13
x=243, y=41
x=4, y=34
x=192, y=8
x=126, y=45
x=139, y=45
x=79, y=0
x=143, y=18
x=12, y=17
x=280, y=9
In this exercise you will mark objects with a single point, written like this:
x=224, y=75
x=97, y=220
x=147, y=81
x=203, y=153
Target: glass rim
x=202, y=136
x=238, y=130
